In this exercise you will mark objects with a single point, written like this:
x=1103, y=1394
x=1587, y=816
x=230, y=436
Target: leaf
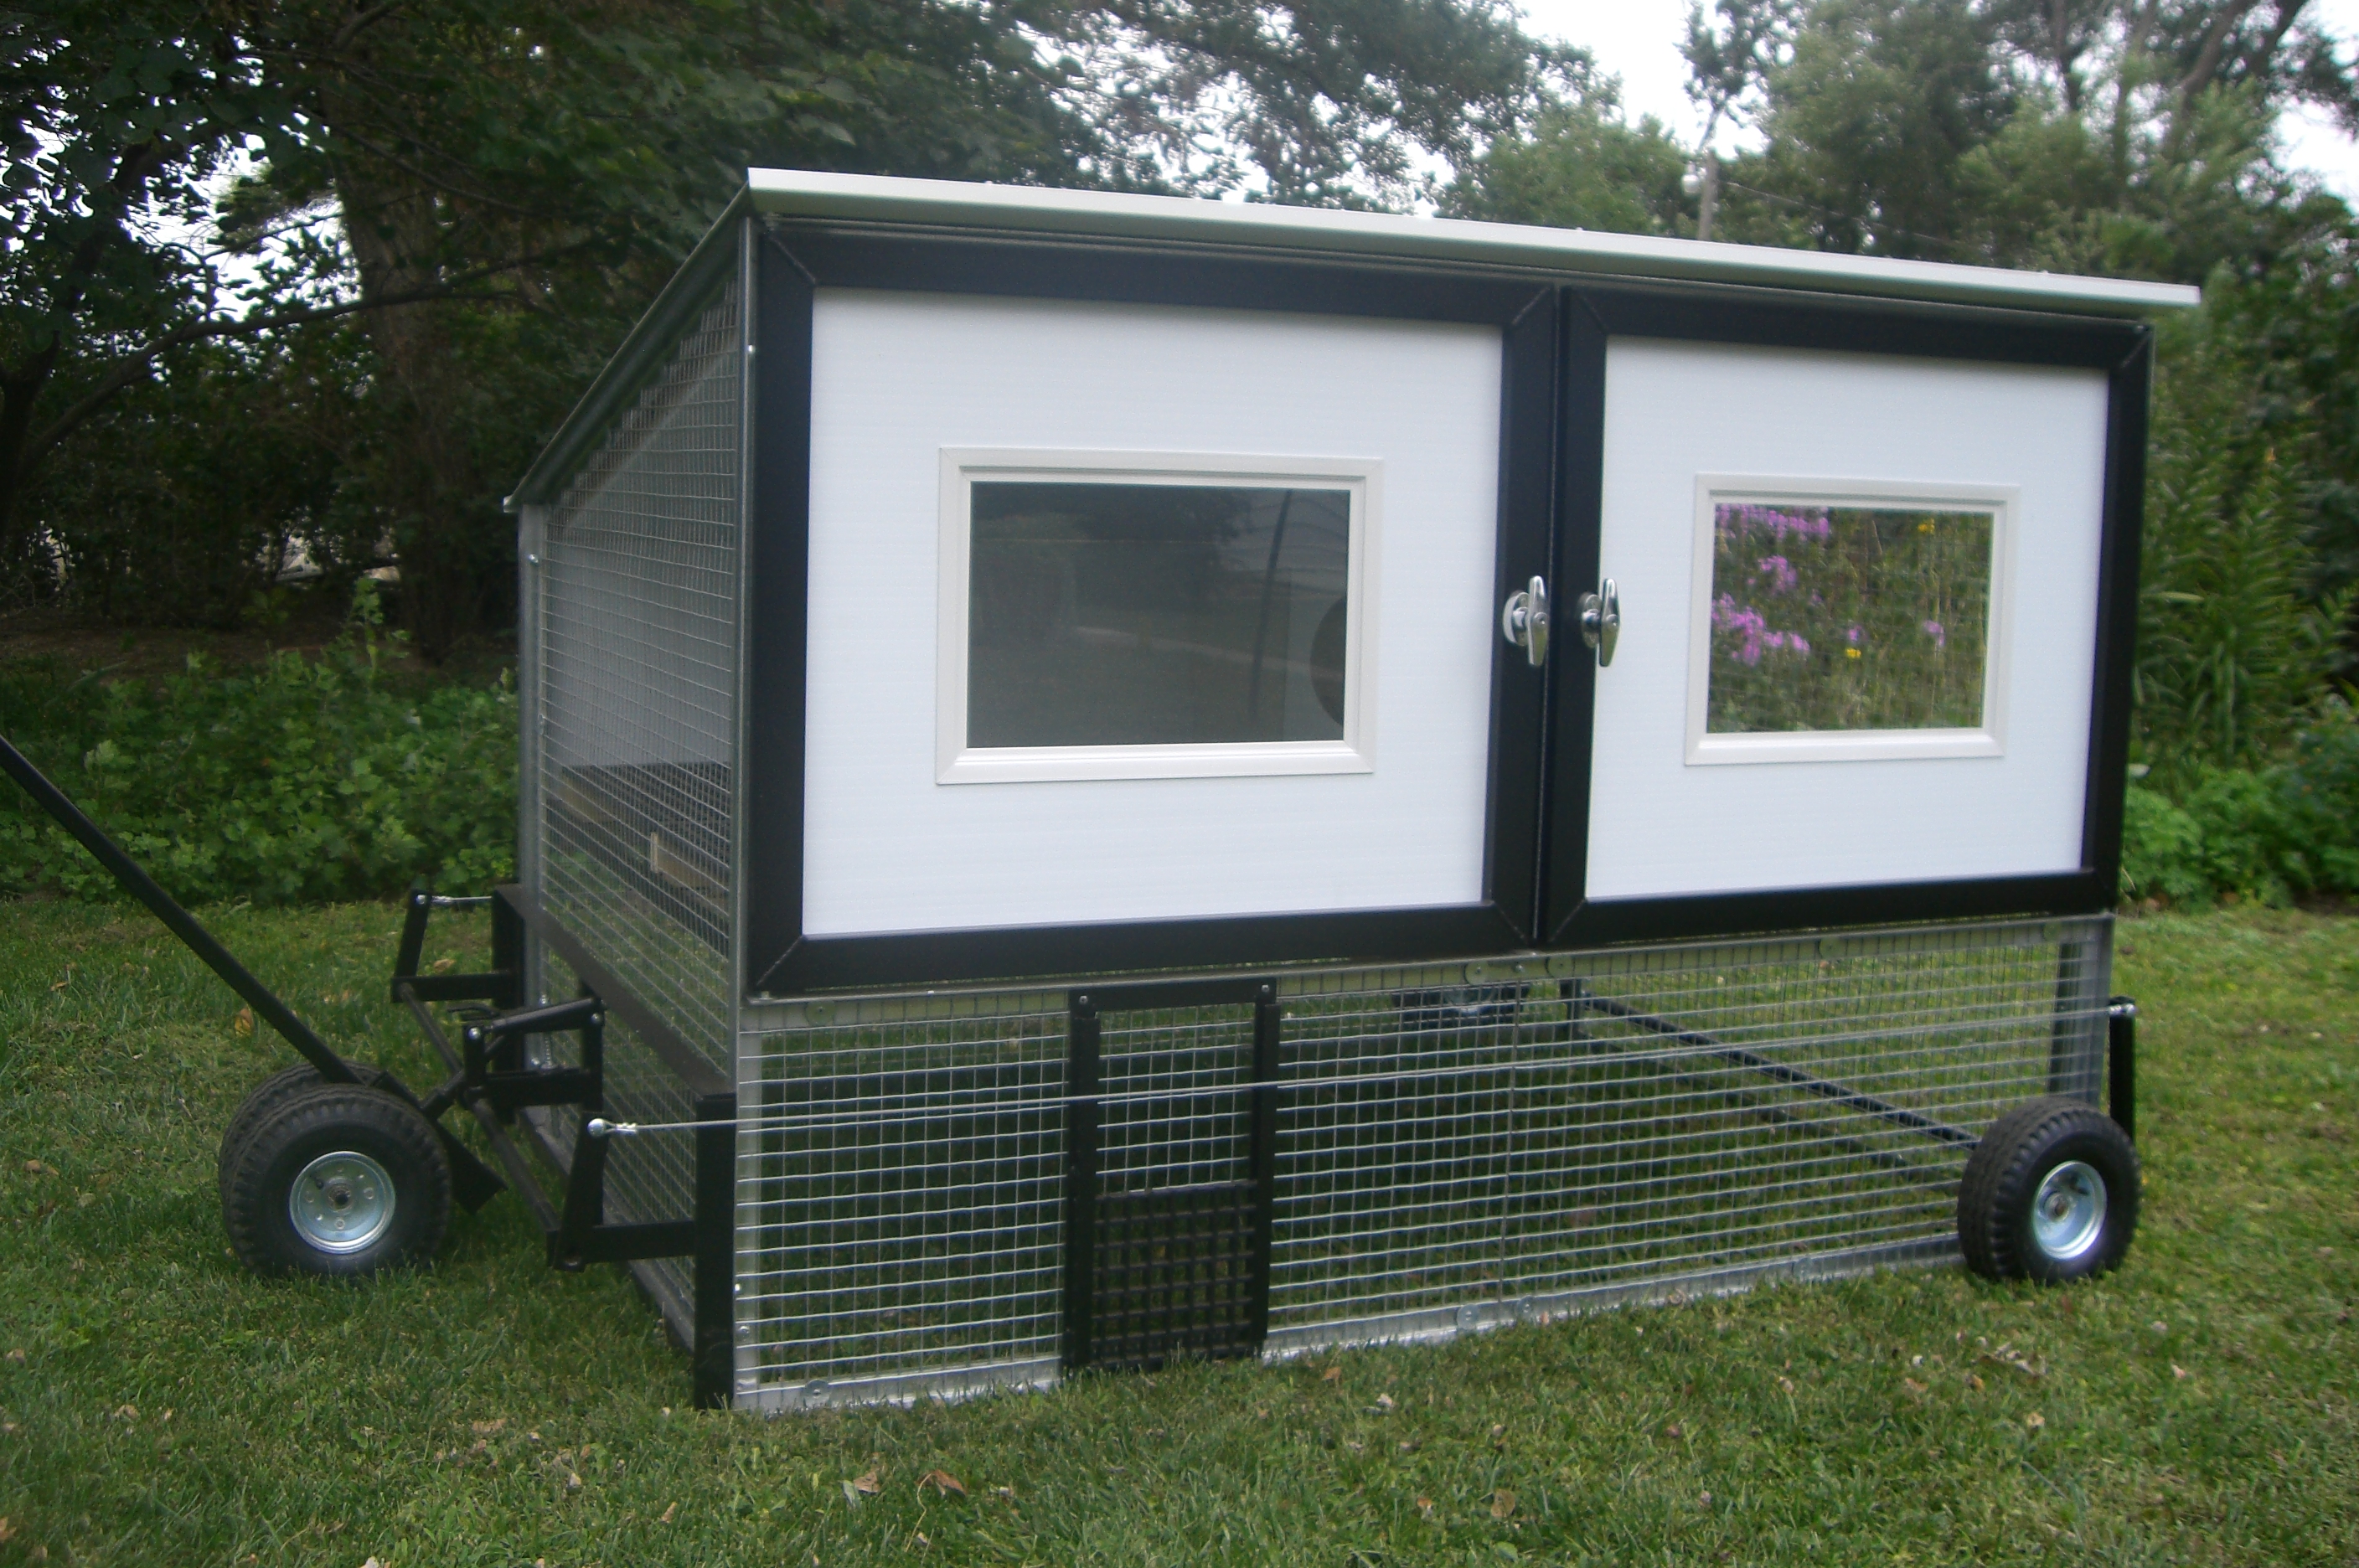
x=1503, y=1503
x=867, y=1485
x=2035, y=1421
x=243, y=1025
x=941, y=1481
x=669, y=1510
x=1332, y=1375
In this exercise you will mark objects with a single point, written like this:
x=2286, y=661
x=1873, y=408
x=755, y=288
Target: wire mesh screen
x=900, y=1183
x=1454, y=1146
x=636, y=608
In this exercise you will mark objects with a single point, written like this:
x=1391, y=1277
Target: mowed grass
x=158, y=1406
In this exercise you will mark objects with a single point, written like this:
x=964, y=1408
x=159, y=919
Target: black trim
x=1083, y=1038
x=713, y=1357
x=778, y=557
x=2122, y=349
x=798, y=257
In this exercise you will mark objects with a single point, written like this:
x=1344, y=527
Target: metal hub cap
x=2068, y=1212
x=342, y=1202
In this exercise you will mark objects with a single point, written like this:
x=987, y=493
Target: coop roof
x=938, y=205
x=1103, y=214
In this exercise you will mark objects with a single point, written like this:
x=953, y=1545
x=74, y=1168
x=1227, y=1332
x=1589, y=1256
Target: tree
x=473, y=176
x=1729, y=62
x=1581, y=166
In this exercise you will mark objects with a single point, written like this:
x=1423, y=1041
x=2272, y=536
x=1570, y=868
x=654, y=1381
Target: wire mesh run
x=635, y=713
x=1450, y=1147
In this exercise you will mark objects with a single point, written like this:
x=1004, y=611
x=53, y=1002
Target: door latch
x=1601, y=621
x=1524, y=621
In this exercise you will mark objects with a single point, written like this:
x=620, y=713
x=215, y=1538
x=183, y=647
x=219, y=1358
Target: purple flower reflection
x=1778, y=522
x=1855, y=635
x=1753, y=632
x=1933, y=629
x=1780, y=572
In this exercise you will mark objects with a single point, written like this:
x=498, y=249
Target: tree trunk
x=451, y=548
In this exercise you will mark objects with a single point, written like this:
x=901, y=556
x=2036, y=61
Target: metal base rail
x=490, y=1077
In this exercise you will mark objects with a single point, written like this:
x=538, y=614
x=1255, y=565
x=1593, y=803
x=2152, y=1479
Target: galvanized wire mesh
x=637, y=595
x=1455, y=1145
x=898, y=1200
x=633, y=706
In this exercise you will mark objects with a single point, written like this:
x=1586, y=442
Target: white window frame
x=2003, y=502
x=1355, y=752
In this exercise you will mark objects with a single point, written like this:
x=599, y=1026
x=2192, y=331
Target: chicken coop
x=1146, y=778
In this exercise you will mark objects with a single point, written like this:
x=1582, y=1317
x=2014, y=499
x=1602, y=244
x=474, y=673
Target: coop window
x=1121, y=615
x=1848, y=621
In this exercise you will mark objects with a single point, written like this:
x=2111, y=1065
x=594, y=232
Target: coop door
x=1122, y=614
x=1857, y=600
x=1171, y=1158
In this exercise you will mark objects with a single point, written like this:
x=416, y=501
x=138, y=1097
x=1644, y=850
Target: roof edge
x=1580, y=252
x=627, y=367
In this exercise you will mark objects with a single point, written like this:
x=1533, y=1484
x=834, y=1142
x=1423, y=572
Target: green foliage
x=199, y=486
x=2269, y=833
x=2231, y=657
x=1582, y=168
x=302, y=780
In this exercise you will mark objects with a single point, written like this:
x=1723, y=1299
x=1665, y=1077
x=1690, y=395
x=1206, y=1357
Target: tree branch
x=2215, y=46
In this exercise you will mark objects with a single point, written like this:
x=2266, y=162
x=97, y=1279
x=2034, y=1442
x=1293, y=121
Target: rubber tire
x=267, y=1096
x=320, y=1120
x=2005, y=1172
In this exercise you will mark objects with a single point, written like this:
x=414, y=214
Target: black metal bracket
x=2120, y=1064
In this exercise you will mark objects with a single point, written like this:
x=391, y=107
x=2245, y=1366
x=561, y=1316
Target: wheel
x=2050, y=1193
x=267, y=1096
x=337, y=1179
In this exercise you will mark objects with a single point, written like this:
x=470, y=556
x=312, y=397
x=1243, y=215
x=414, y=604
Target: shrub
x=305, y=779
x=2268, y=834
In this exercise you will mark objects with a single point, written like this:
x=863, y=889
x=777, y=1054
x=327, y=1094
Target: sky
x=1638, y=40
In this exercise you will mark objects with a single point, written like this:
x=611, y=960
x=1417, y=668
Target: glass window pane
x=1847, y=617
x=1140, y=615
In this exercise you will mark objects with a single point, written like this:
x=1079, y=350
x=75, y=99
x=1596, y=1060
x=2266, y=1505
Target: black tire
x=2091, y=1203
x=351, y=1140
x=267, y=1096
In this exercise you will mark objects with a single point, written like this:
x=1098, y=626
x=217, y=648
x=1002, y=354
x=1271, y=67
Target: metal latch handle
x=1601, y=621
x=1524, y=621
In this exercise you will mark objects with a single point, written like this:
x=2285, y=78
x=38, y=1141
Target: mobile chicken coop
x=1219, y=779
x=1109, y=778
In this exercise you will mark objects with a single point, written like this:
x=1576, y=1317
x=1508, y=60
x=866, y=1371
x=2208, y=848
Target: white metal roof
x=867, y=198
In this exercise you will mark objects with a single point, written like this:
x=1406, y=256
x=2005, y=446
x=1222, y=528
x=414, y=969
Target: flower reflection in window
x=1834, y=618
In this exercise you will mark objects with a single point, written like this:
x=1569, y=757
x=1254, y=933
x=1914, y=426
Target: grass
x=2196, y=1407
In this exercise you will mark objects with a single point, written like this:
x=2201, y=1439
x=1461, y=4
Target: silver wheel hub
x=341, y=1202
x=2068, y=1212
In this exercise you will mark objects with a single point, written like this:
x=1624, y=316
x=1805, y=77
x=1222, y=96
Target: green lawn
x=159, y=1406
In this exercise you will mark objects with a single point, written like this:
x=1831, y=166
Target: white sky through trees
x=1638, y=40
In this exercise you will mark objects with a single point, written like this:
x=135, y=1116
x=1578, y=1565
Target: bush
x=2268, y=834
x=305, y=781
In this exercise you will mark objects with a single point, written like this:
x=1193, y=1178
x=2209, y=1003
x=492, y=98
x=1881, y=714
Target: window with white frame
x=1836, y=620
x=1143, y=616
